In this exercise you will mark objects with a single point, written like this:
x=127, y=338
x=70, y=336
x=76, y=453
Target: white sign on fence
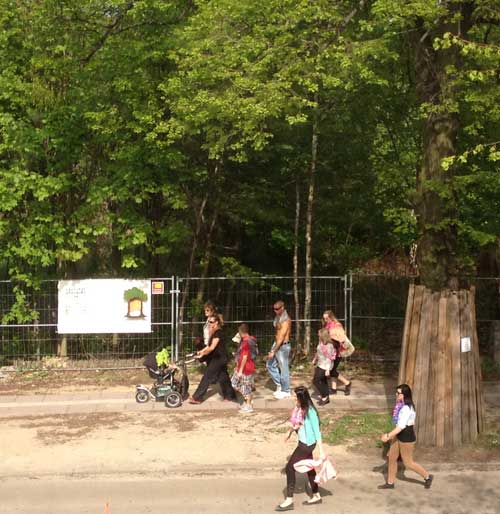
x=104, y=306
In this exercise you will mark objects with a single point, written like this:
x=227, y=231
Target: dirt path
x=179, y=443
x=141, y=443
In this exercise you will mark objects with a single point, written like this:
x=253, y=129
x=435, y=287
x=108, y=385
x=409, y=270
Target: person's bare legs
x=343, y=379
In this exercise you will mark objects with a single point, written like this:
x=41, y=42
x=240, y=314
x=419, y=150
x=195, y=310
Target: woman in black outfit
x=216, y=359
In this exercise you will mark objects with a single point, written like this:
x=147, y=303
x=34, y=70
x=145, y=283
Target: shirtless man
x=278, y=357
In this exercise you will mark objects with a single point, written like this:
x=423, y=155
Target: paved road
x=452, y=493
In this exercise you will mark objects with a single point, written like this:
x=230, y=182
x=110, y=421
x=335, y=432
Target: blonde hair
x=324, y=335
x=330, y=314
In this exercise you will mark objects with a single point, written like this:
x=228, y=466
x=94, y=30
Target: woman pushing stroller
x=214, y=354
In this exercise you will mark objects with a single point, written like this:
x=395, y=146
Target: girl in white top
x=402, y=438
x=323, y=360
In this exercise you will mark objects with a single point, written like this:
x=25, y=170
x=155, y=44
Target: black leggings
x=301, y=452
x=320, y=382
x=334, y=373
x=216, y=372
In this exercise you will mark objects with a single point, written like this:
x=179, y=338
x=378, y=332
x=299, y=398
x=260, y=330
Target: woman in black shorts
x=402, y=438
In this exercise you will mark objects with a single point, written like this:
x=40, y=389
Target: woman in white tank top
x=402, y=439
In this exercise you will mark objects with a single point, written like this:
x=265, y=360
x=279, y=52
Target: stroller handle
x=189, y=358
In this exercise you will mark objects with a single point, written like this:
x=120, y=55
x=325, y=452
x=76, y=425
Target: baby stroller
x=166, y=386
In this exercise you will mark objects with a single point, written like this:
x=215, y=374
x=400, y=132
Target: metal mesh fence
x=37, y=343
x=379, y=305
x=250, y=300
x=374, y=310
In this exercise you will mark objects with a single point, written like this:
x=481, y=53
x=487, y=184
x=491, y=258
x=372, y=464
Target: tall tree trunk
x=205, y=263
x=199, y=223
x=309, y=230
x=296, y=292
x=440, y=353
x=185, y=292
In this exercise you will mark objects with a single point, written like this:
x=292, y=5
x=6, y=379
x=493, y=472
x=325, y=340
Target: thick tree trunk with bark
x=440, y=353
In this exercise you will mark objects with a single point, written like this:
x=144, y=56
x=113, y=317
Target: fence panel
x=379, y=304
x=374, y=309
x=250, y=299
x=38, y=343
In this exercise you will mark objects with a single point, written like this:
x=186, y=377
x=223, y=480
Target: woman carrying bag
x=305, y=422
x=338, y=335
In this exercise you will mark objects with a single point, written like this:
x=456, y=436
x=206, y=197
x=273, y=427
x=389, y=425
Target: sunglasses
x=277, y=308
x=214, y=321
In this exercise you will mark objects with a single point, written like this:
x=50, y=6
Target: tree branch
x=351, y=15
x=111, y=28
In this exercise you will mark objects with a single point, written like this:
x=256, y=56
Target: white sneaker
x=246, y=409
x=282, y=395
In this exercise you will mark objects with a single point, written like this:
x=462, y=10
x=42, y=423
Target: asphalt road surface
x=462, y=492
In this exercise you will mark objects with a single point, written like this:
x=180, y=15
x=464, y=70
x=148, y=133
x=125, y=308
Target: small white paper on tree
x=465, y=344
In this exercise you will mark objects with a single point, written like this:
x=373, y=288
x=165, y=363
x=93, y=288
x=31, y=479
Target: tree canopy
x=150, y=137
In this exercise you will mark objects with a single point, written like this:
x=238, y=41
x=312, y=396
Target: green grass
x=356, y=427
x=490, y=438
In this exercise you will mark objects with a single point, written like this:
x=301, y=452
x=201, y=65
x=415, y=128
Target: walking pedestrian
x=243, y=376
x=279, y=356
x=216, y=358
x=305, y=422
x=324, y=361
x=402, y=438
x=209, y=309
x=338, y=336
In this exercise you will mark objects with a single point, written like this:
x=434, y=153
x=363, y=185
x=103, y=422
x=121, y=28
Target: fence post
x=174, y=300
x=346, y=318
x=349, y=289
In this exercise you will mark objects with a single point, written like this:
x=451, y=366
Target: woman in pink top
x=336, y=331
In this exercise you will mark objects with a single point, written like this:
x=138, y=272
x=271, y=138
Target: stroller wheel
x=141, y=396
x=173, y=400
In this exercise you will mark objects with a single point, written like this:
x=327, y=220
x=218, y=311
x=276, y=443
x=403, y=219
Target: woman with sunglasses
x=209, y=309
x=308, y=431
x=216, y=358
x=402, y=438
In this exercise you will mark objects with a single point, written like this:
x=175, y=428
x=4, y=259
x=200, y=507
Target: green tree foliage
x=82, y=189
x=454, y=56
x=151, y=137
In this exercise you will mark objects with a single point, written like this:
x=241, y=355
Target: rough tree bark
x=440, y=355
